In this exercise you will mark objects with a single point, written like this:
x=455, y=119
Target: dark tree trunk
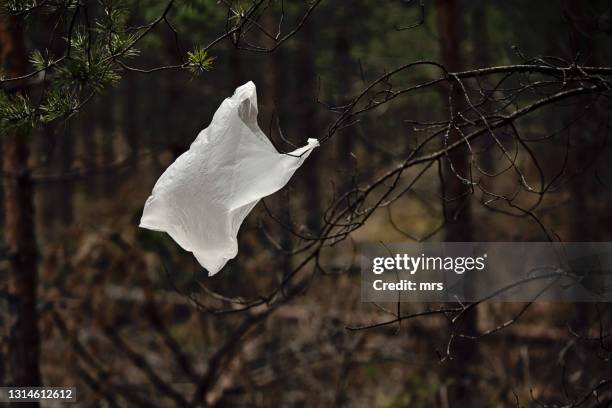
x=87, y=128
x=457, y=211
x=584, y=186
x=236, y=67
x=457, y=195
x=63, y=193
x=108, y=127
x=307, y=123
x=131, y=118
x=345, y=142
x=274, y=102
x=55, y=147
x=24, y=341
x=482, y=58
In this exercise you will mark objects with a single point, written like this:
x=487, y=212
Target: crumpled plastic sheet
x=204, y=196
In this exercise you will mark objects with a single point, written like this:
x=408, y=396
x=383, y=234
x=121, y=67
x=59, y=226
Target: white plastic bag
x=203, y=197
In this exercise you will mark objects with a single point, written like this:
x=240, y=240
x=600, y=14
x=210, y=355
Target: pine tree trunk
x=345, y=143
x=307, y=126
x=24, y=342
x=481, y=46
x=64, y=190
x=580, y=43
x=108, y=128
x=274, y=100
x=132, y=107
x=236, y=67
x=457, y=206
x=88, y=120
x=458, y=212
